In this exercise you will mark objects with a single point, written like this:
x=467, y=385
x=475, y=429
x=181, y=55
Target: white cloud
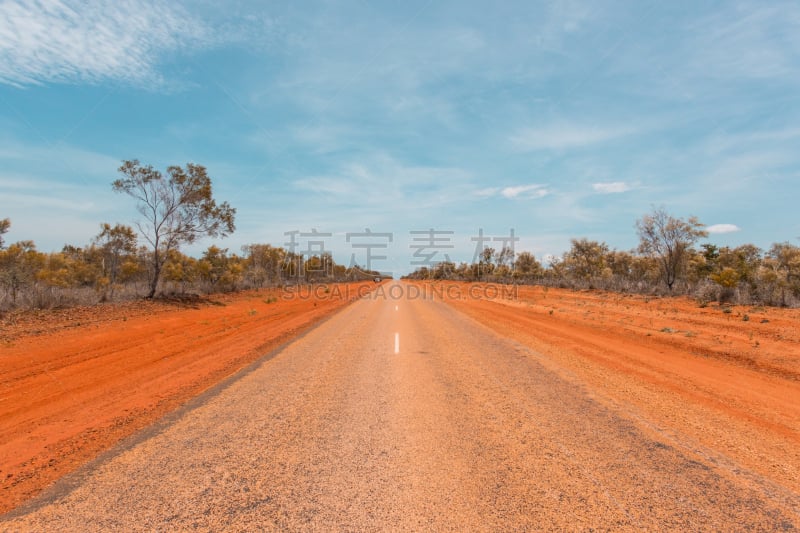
x=611, y=187
x=531, y=191
x=723, y=228
x=525, y=191
x=561, y=136
x=68, y=41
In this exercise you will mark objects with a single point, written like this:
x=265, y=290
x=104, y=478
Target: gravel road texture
x=407, y=414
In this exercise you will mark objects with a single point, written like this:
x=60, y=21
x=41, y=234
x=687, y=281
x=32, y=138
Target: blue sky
x=558, y=119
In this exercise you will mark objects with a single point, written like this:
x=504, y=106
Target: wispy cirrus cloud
x=755, y=40
x=67, y=41
x=386, y=184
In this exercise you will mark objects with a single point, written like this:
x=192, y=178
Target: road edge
x=70, y=481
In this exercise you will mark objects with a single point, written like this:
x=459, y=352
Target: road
x=404, y=414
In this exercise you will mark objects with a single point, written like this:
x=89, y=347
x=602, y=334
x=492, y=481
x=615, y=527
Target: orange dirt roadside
x=723, y=381
x=74, y=382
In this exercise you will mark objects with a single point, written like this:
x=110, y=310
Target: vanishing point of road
x=400, y=413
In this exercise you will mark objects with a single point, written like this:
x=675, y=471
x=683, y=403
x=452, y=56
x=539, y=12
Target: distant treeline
x=114, y=267
x=667, y=261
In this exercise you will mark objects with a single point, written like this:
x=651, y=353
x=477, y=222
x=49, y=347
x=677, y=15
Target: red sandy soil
x=74, y=382
x=723, y=380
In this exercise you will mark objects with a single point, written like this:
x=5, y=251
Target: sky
x=558, y=119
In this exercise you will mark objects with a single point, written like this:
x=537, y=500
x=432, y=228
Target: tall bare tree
x=668, y=239
x=177, y=209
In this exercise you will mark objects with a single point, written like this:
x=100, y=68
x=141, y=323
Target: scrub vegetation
x=668, y=260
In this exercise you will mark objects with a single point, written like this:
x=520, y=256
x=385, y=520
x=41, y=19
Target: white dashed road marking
x=396, y=343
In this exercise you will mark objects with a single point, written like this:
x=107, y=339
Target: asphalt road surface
x=402, y=414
